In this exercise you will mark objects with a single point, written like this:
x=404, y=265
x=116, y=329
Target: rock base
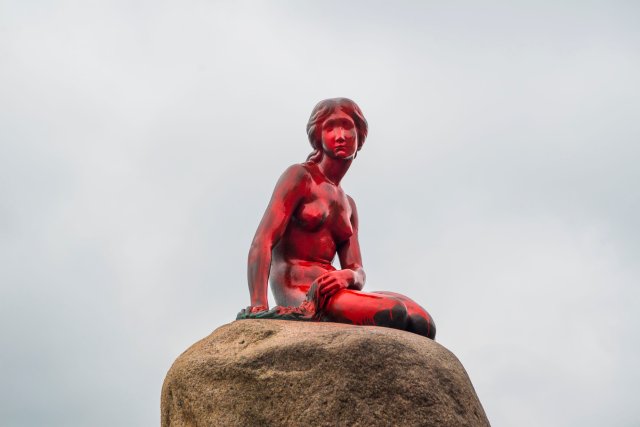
x=285, y=373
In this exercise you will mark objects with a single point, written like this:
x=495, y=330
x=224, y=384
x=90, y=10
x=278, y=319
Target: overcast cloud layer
x=140, y=142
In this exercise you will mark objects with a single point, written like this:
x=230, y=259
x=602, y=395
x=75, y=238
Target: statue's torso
x=320, y=223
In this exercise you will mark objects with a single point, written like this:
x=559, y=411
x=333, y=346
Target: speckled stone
x=286, y=373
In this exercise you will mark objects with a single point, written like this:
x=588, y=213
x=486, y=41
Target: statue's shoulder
x=298, y=170
x=301, y=168
x=352, y=204
x=294, y=175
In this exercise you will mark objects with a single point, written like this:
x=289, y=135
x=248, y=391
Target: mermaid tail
x=386, y=309
x=304, y=312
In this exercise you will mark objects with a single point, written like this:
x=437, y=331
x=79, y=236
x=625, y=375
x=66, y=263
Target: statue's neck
x=334, y=169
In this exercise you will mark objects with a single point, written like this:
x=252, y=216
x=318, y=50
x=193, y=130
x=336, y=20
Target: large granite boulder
x=285, y=373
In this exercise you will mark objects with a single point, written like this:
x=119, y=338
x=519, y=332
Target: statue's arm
x=349, y=252
x=286, y=196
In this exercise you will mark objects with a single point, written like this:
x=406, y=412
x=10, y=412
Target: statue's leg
x=365, y=308
x=420, y=321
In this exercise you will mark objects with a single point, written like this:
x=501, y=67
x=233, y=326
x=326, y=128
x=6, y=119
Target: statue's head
x=326, y=109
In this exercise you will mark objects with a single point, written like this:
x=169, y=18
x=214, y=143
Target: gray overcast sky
x=140, y=142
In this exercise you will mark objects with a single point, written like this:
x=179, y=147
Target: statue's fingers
x=257, y=308
x=334, y=290
x=324, y=286
x=324, y=276
x=330, y=287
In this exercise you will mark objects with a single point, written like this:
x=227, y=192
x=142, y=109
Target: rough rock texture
x=285, y=373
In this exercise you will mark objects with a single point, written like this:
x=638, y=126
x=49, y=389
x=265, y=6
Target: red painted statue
x=309, y=220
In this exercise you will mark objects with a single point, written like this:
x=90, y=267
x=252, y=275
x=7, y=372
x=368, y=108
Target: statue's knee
x=394, y=317
x=422, y=325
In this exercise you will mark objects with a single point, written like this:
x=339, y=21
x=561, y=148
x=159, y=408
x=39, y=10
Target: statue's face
x=339, y=136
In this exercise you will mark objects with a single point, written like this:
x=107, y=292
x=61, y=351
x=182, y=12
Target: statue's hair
x=321, y=112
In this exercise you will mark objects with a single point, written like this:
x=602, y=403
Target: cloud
x=140, y=143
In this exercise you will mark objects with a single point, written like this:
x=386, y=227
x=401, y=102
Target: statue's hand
x=256, y=308
x=333, y=281
x=251, y=311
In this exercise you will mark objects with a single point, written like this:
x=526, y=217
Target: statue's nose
x=340, y=136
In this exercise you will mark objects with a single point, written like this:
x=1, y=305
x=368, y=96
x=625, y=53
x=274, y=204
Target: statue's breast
x=332, y=215
x=311, y=216
x=328, y=209
x=342, y=228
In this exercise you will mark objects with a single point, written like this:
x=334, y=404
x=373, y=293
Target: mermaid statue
x=308, y=221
